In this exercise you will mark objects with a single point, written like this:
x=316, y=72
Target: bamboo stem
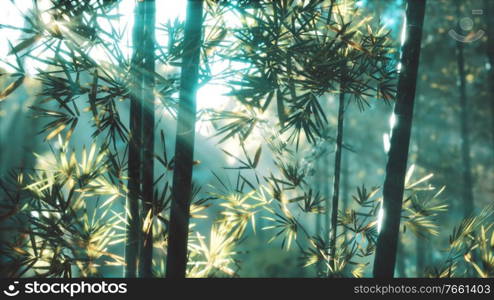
x=134, y=161
x=337, y=173
x=387, y=242
x=184, y=147
x=148, y=138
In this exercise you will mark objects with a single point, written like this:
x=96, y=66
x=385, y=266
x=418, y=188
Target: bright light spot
x=99, y=53
x=389, y=21
x=470, y=78
x=380, y=216
x=404, y=31
x=392, y=121
x=257, y=135
x=37, y=215
x=212, y=96
x=230, y=160
x=386, y=142
x=168, y=10
x=10, y=14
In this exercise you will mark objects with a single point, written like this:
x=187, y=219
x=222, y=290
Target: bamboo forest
x=247, y=138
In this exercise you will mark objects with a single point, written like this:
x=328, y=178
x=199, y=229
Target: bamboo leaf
x=55, y=131
x=25, y=44
x=257, y=156
x=11, y=88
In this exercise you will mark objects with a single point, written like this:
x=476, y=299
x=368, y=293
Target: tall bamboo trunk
x=345, y=203
x=327, y=194
x=318, y=216
x=184, y=146
x=325, y=175
x=464, y=123
x=336, y=181
x=387, y=242
x=134, y=160
x=345, y=199
x=148, y=137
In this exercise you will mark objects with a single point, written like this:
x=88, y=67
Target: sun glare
x=210, y=96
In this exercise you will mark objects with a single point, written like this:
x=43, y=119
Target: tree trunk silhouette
x=318, y=216
x=148, y=136
x=337, y=173
x=464, y=123
x=134, y=160
x=325, y=177
x=387, y=242
x=327, y=194
x=345, y=174
x=184, y=147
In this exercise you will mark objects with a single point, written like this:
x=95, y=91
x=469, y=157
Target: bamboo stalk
x=184, y=148
x=148, y=138
x=387, y=242
x=337, y=173
x=134, y=161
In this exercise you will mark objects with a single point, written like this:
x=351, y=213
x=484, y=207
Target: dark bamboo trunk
x=345, y=174
x=464, y=123
x=325, y=177
x=345, y=199
x=148, y=136
x=337, y=173
x=134, y=160
x=184, y=147
x=387, y=242
x=327, y=195
x=318, y=227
